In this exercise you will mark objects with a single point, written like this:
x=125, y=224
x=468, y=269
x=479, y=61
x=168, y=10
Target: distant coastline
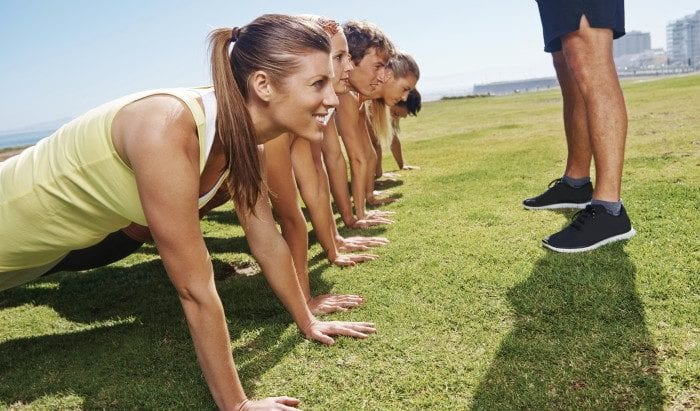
x=23, y=139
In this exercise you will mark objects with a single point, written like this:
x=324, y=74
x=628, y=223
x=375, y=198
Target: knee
x=581, y=65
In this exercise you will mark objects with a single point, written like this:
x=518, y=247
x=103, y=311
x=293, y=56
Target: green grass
x=471, y=311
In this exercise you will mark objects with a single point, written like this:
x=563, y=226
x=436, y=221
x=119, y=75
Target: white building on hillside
x=683, y=40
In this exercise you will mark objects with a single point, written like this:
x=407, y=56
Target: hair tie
x=235, y=32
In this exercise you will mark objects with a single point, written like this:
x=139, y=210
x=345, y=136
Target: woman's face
x=397, y=89
x=341, y=63
x=399, y=111
x=302, y=102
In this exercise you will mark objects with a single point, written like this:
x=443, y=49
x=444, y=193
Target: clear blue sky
x=60, y=58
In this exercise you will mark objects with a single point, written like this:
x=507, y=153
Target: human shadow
x=227, y=244
x=127, y=339
x=579, y=340
x=222, y=217
x=393, y=196
x=387, y=184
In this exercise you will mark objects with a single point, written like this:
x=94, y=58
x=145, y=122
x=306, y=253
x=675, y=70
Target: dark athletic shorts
x=560, y=17
x=113, y=248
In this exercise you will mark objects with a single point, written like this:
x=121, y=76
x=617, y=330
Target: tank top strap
x=207, y=139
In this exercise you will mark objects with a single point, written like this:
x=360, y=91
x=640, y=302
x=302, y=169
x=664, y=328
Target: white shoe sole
x=625, y=236
x=558, y=206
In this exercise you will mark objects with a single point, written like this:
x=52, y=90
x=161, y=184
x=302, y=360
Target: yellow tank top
x=72, y=189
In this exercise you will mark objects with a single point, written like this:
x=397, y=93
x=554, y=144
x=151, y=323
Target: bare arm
x=280, y=180
x=396, y=149
x=337, y=172
x=275, y=260
x=377, y=146
x=353, y=131
x=161, y=146
x=374, y=165
x=315, y=195
x=313, y=185
x=338, y=178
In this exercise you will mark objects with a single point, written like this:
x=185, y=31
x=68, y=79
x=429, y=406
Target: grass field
x=472, y=313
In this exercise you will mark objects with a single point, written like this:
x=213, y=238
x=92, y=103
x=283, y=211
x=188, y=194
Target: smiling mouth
x=324, y=118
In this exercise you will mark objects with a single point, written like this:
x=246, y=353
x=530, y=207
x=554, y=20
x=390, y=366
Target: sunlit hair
x=402, y=64
x=380, y=120
x=362, y=36
x=272, y=43
x=329, y=26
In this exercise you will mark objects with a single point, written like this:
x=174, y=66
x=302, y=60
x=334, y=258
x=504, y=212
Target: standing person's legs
x=578, y=142
x=574, y=189
x=588, y=54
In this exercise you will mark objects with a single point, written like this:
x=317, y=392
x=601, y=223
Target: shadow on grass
x=223, y=217
x=579, y=339
x=129, y=346
x=387, y=184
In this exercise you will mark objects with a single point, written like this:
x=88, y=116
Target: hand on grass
x=322, y=331
x=330, y=303
x=371, y=214
x=350, y=246
x=361, y=241
x=369, y=222
x=270, y=403
x=350, y=260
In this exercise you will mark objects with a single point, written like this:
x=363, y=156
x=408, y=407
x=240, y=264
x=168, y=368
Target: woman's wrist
x=243, y=405
x=348, y=217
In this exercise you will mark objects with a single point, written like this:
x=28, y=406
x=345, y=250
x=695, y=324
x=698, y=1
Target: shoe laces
x=554, y=182
x=582, y=217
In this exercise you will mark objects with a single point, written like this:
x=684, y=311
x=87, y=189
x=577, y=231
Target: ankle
x=612, y=207
x=575, y=182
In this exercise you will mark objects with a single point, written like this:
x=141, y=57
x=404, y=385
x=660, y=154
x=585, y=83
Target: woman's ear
x=261, y=85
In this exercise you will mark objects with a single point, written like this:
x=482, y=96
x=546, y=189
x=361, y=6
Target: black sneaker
x=561, y=195
x=591, y=228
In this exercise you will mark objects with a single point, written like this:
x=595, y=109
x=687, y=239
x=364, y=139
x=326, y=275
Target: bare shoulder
x=154, y=122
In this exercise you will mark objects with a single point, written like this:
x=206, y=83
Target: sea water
x=23, y=139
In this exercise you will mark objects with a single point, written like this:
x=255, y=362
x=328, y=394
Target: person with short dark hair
x=580, y=37
x=403, y=109
x=370, y=50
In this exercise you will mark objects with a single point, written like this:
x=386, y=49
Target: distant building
x=683, y=41
x=507, y=87
x=648, y=59
x=634, y=42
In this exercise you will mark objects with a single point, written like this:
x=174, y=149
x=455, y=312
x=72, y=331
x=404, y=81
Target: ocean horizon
x=24, y=139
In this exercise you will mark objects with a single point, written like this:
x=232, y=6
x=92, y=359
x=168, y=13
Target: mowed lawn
x=471, y=311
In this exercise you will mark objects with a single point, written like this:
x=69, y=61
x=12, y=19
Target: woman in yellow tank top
x=142, y=159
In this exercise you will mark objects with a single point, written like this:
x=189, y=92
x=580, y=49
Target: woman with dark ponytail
x=155, y=157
